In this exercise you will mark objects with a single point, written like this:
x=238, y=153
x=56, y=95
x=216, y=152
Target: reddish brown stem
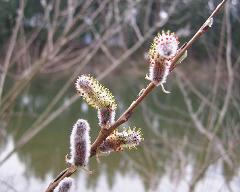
x=105, y=132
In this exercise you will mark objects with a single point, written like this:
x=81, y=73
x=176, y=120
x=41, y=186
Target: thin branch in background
x=200, y=95
x=139, y=43
x=46, y=57
x=229, y=69
x=200, y=127
x=216, y=84
x=228, y=95
x=9, y=186
x=171, y=120
x=167, y=107
x=11, y=46
x=44, y=119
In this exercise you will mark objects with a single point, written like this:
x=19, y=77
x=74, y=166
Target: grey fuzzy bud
x=158, y=73
x=80, y=143
x=64, y=185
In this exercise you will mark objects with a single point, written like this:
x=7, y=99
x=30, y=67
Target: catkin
x=117, y=141
x=163, y=49
x=80, y=143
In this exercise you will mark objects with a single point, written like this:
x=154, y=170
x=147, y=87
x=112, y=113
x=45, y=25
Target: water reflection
x=171, y=156
x=121, y=173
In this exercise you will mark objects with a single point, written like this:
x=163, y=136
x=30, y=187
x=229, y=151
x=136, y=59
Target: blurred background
x=191, y=136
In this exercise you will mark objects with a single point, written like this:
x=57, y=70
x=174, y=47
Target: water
x=170, y=157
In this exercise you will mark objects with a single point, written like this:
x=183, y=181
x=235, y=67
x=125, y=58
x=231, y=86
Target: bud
x=106, y=117
x=164, y=46
x=94, y=93
x=117, y=141
x=163, y=49
x=64, y=185
x=80, y=143
x=158, y=73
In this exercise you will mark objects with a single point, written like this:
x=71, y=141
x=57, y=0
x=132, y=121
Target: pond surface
x=168, y=159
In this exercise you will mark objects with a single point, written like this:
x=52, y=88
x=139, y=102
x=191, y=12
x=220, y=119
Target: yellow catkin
x=95, y=94
x=117, y=141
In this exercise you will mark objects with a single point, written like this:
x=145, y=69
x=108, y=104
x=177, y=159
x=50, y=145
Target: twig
x=11, y=47
x=200, y=127
x=105, y=132
x=139, y=43
x=8, y=185
x=46, y=57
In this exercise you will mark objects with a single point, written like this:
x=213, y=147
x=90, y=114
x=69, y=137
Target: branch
x=126, y=115
x=11, y=47
x=105, y=132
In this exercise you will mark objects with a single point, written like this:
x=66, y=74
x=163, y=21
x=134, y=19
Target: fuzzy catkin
x=65, y=185
x=117, y=141
x=80, y=143
x=158, y=73
x=95, y=94
x=163, y=49
x=164, y=46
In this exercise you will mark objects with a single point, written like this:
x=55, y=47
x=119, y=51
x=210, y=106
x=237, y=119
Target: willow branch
x=105, y=132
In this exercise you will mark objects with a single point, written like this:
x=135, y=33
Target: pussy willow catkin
x=98, y=97
x=117, y=141
x=95, y=94
x=80, y=143
x=65, y=185
x=163, y=49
